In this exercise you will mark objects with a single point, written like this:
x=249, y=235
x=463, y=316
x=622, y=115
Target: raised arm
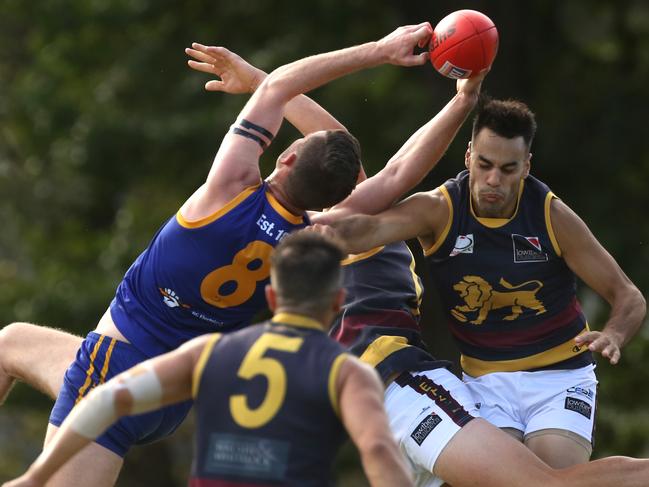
x=416, y=158
x=422, y=215
x=598, y=269
x=236, y=76
x=361, y=408
x=236, y=163
x=164, y=380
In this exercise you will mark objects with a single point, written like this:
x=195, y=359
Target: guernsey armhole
x=548, y=222
x=230, y=205
x=202, y=361
x=333, y=379
x=442, y=238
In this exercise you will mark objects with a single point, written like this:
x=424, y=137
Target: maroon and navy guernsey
x=509, y=295
x=380, y=317
x=266, y=406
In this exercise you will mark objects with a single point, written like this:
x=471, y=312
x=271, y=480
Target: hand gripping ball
x=463, y=43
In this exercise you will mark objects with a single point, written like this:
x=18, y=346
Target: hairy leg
x=482, y=455
x=559, y=448
x=94, y=466
x=36, y=355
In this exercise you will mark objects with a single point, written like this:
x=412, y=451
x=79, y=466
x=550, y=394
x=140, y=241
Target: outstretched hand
x=471, y=86
x=398, y=46
x=599, y=341
x=235, y=73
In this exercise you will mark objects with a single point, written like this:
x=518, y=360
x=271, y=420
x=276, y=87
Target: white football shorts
x=534, y=401
x=425, y=410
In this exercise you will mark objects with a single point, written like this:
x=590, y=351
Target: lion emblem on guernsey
x=480, y=298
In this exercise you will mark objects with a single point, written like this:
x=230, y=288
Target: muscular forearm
x=384, y=466
x=426, y=146
x=627, y=315
x=133, y=392
x=421, y=152
x=306, y=74
x=358, y=233
x=304, y=113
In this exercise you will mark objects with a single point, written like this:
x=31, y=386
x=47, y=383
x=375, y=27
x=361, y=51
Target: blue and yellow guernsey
x=267, y=407
x=380, y=318
x=202, y=276
x=510, y=297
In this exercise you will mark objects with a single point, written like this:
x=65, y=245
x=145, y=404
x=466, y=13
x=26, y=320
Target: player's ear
x=528, y=165
x=467, y=155
x=286, y=158
x=271, y=297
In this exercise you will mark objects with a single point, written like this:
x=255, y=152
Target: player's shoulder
x=352, y=368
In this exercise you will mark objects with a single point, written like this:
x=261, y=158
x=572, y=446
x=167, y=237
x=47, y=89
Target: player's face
x=496, y=167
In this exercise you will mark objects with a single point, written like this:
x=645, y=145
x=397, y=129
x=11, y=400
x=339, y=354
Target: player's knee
x=10, y=336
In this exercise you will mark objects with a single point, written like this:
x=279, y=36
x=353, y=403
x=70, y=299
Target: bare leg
x=93, y=466
x=36, y=355
x=482, y=455
x=559, y=448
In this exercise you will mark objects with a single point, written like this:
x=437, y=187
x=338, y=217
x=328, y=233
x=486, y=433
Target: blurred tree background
x=105, y=132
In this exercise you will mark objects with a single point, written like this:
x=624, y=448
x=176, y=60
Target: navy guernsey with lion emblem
x=203, y=276
x=380, y=317
x=267, y=407
x=510, y=297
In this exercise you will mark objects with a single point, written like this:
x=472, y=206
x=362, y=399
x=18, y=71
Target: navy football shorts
x=99, y=359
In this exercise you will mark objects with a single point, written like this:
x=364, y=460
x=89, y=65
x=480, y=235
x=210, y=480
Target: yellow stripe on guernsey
x=333, y=379
x=419, y=291
x=447, y=228
x=91, y=369
x=351, y=258
x=218, y=213
x=476, y=367
x=202, y=360
x=548, y=223
x=297, y=320
x=383, y=347
x=287, y=215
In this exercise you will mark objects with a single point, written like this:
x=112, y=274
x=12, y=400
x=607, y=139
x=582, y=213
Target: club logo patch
x=463, y=245
x=424, y=428
x=579, y=406
x=171, y=299
x=589, y=393
x=528, y=249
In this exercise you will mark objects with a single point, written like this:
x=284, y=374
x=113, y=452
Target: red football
x=463, y=43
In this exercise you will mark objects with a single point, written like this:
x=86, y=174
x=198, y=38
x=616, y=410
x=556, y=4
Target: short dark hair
x=507, y=118
x=306, y=271
x=325, y=171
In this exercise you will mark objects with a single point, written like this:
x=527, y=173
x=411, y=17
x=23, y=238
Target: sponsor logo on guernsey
x=578, y=406
x=528, y=249
x=256, y=457
x=171, y=299
x=463, y=245
x=589, y=393
x=424, y=428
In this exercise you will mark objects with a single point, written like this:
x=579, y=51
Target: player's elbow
x=642, y=303
x=379, y=448
x=274, y=87
x=633, y=299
